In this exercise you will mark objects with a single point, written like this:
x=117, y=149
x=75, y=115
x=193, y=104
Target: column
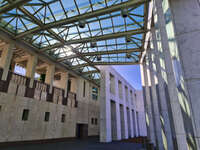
x=30, y=68
x=155, y=100
x=118, y=117
x=50, y=76
x=64, y=81
x=125, y=111
x=162, y=94
x=147, y=102
x=174, y=98
x=186, y=20
x=105, y=108
x=6, y=58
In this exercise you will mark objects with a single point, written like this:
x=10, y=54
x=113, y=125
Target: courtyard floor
x=88, y=144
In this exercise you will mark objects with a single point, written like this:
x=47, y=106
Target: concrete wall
x=13, y=128
x=118, y=108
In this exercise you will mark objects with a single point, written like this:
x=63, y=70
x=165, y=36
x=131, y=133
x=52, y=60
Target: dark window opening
x=92, y=121
x=47, y=115
x=69, y=86
x=0, y=108
x=96, y=121
x=84, y=84
x=63, y=118
x=25, y=114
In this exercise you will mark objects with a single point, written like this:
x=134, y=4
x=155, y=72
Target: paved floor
x=89, y=144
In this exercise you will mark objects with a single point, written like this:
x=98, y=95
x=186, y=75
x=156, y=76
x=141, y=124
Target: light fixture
x=99, y=58
x=81, y=24
x=124, y=13
x=128, y=39
x=93, y=44
x=128, y=55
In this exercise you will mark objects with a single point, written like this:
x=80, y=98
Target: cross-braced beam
x=96, y=38
x=12, y=5
x=103, y=53
x=106, y=63
x=85, y=16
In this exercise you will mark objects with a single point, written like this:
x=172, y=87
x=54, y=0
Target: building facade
x=121, y=108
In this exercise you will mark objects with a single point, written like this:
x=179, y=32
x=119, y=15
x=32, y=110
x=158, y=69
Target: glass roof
x=79, y=33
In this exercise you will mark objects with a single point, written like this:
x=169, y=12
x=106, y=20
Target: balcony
x=18, y=85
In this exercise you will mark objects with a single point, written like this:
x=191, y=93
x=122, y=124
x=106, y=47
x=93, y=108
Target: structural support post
x=50, y=76
x=30, y=68
x=153, y=82
x=6, y=58
x=118, y=117
x=186, y=20
x=174, y=95
x=162, y=94
x=149, y=117
x=64, y=82
x=105, y=108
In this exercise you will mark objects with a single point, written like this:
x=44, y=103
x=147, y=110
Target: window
x=0, y=108
x=84, y=84
x=94, y=93
x=63, y=118
x=92, y=121
x=46, y=117
x=25, y=114
x=96, y=121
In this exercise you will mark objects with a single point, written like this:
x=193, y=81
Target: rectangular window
x=46, y=117
x=0, y=108
x=63, y=118
x=25, y=114
x=96, y=121
x=84, y=88
x=92, y=121
x=94, y=93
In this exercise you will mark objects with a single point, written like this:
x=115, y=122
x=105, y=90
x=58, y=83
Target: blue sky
x=131, y=73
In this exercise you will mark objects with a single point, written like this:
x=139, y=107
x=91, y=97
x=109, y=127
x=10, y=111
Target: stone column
x=186, y=20
x=125, y=111
x=50, y=76
x=153, y=82
x=30, y=68
x=64, y=81
x=6, y=58
x=174, y=95
x=162, y=94
x=105, y=108
x=149, y=116
x=118, y=119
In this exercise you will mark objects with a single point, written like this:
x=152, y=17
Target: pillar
x=118, y=117
x=30, y=68
x=50, y=76
x=147, y=102
x=162, y=94
x=6, y=58
x=64, y=82
x=153, y=82
x=125, y=111
x=186, y=20
x=176, y=102
x=105, y=108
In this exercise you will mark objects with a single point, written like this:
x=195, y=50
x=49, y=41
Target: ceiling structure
x=80, y=34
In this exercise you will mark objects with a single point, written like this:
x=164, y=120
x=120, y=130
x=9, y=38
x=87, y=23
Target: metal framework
x=78, y=34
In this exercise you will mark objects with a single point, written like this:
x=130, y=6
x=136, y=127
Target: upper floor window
x=94, y=93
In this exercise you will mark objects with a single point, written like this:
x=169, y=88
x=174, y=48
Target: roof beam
x=12, y=5
x=103, y=53
x=90, y=72
x=106, y=63
x=96, y=38
x=85, y=16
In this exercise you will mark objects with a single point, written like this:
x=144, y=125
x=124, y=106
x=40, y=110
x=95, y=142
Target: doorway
x=82, y=131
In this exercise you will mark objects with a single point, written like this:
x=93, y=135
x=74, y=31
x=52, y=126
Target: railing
x=19, y=86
